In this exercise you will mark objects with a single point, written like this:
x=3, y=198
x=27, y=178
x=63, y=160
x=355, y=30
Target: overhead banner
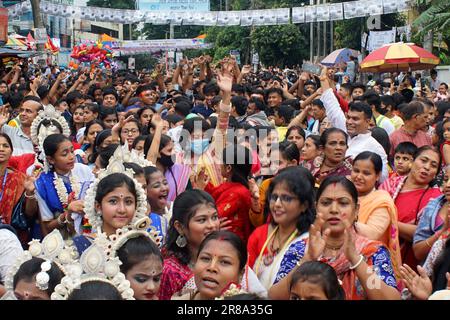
x=174, y=5
x=169, y=13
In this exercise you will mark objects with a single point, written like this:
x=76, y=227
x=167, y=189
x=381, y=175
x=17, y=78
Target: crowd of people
x=212, y=181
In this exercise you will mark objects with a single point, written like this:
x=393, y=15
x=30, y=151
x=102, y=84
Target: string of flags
x=298, y=15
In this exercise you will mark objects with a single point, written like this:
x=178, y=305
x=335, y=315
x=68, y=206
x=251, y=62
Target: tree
x=433, y=25
x=280, y=45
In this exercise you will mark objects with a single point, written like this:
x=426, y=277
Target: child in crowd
x=403, y=158
x=315, y=280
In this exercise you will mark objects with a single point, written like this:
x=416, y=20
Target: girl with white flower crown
x=60, y=190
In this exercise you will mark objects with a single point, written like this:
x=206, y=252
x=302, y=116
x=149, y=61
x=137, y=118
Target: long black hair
x=184, y=208
x=240, y=160
x=301, y=183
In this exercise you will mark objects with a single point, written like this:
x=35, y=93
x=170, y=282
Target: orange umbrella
x=399, y=57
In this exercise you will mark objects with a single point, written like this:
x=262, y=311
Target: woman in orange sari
x=16, y=191
x=377, y=215
x=363, y=266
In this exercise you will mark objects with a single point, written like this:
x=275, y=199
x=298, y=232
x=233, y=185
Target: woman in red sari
x=194, y=217
x=16, y=189
x=233, y=198
x=411, y=194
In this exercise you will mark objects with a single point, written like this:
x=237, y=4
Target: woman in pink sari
x=411, y=194
x=194, y=217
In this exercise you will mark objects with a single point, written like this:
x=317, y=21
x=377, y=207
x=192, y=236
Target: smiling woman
x=194, y=217
x=60, y=190
x=411, y=194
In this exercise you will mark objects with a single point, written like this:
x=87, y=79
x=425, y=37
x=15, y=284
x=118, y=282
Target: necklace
x=336, y=248
x=63, y=194
x=268, y=260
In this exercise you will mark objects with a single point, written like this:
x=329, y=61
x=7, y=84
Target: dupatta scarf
x=350, y=283
x=380, y=199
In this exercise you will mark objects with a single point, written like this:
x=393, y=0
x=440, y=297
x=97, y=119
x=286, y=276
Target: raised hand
x=157, y=120
x=304, y=76
x=29, y=184
x=61, y=76
x=246, y=69
x=317, y=238
x=225, y=77
x=420, y=284
x=202, y=179
x=349, y=246
x=225, y=224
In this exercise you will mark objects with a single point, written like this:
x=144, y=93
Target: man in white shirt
x=20, y=136
x=356, y=125
x=10, y=250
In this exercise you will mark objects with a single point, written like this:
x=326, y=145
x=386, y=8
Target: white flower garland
x=62, y=191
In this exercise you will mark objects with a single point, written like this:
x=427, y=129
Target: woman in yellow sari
x=377, y=215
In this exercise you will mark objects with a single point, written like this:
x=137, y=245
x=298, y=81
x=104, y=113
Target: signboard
x=131, y=63
x=3, y=25
x=379, y=38
x=174, y=5
x=40, y=35
x=237, y=55
x=312, y=68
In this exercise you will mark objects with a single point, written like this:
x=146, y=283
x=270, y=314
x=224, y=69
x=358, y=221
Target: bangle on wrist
x=60, y=222
x=30, y=197
x=361, y=258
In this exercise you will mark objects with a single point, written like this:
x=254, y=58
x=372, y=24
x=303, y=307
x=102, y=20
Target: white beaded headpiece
x=135, y=157
x=93, y=266
x=111, y=244
x=38, y=136
x=115, y=166
x=52, y=249
x=51, y=114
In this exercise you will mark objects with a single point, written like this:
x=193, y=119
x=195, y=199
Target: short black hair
x=211, y=89
x=183, y=108
x=358, y=85
x=240, y=104
x=286, y=112
x=411, y=109
x=406, y=148
x=238, y=88
x=110, y=90
x=258, y=104
x=361, y=107
x=319, y=103
x=372, y=98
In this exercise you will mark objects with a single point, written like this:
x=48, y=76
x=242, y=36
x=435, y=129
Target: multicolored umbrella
x=339, y=56
x=399, y=57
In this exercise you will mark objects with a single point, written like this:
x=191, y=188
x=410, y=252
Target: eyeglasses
x=133, y=131
x=284, y=198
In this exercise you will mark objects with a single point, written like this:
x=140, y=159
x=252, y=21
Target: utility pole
x=311, y=37
x=324, y=35
x=38, y=23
